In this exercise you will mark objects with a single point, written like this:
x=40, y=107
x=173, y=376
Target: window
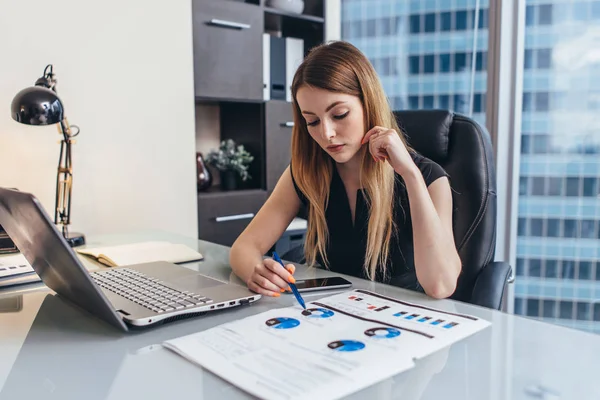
x=429, y=23
x=551, y=269
x=540, y=143
x=573, y=187
x=414, y=64
x=585, y=270
x=371, y=28
x=533, y=307
x=522, y=227
x=525, y=143
x=527, y=101
x=520, y=267
x=460, y=62
x=481, y=61
x=523, y=186
x=530, y=15
x=444, y=102
x=537, y=186
x=444, y=62
x=545, y=14
x=478, y=103
x=535, y=267
x=536, y=227
x=565, y=309
x=542, y=101
x=570, y=228
x=549, y=308
x=483, y=19
x=413, y=102
x=446, y=21
x=415, y=23
x=597, y=311
x=553, y=227
x=518, y=305
x=461, y=20
x=584, y=311
x=528, y=59
x=588, y=229
x=429, y=64
x=568, y=270
x=544, y=58
x=555, y=186
x=590, y=187
x=428, y=102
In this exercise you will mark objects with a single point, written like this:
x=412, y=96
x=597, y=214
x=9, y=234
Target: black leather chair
x=464, y=149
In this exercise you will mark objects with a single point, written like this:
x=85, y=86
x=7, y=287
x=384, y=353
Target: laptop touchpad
x=196, y=282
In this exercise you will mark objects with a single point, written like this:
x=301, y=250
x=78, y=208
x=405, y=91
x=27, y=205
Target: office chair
x=464, y=149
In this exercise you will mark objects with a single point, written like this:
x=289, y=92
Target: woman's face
x=334, y=120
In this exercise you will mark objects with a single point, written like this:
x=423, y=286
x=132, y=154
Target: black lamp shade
x=37, y=105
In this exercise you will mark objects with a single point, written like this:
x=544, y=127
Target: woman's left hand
x=385, y=144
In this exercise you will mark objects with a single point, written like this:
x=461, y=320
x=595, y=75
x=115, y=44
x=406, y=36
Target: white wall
x=125, y=75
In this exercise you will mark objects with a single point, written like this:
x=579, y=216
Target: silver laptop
x=135, y=295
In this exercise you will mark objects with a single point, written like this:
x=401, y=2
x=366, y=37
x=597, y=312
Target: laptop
x=131, y=296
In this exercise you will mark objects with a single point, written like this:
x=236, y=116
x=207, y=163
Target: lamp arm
x=64, y=178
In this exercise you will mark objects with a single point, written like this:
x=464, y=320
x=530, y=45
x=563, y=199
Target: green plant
x=231, y=157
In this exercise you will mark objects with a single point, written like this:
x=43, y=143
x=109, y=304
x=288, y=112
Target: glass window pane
x=551, y=269
x=444, y=102
x=429, y=64
x=518, y=305
x=460, y=62
x=584, y=311
x=595, y=14
x=590, y=187
x=573, y=186
x=533, y=307
x=542, y=101
x=528, y=60
x=461, y=20
x=555, y=186
x=536, y=227
x=371, y=28
x=522, y=227
x=428, y=102
x=444, y=62
x=537, y=186
x=566, y=309
x=523, y=186
x=549, y=309
x=483, y=19
x=413, y=102
x=540, y=144
x=597, y=311
x=535, y=267
x=568, y=269
x=446, y=21
x=521, y=267
x=570, y=226
x=545, y=14
x=414, y=64
x=544, y=58
x=553, y=227
x=415, y=23
x=588, y=229
x=429, y=23
x=585, y=270
x=530, y=15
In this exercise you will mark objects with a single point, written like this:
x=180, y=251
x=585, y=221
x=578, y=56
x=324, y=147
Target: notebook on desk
x=137, y=253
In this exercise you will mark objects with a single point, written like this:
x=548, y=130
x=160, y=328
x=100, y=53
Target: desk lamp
x=40, y=105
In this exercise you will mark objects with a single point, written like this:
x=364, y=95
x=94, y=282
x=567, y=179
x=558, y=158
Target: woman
x=377, y=209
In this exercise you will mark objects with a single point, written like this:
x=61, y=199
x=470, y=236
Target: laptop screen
x=36, y=236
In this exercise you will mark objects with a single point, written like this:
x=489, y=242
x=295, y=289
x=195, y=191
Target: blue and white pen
x=292, y=286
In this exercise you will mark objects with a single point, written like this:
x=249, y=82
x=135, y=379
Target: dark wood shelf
x=304, y=17
x=215, y=191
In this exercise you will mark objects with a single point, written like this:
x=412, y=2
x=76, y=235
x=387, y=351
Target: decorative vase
x=203, y=176
x=228, y=179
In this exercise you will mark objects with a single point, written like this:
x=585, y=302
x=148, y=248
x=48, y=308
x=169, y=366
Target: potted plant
x=232, y=162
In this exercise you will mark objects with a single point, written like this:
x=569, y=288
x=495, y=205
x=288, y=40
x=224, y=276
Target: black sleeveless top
x=347, y=242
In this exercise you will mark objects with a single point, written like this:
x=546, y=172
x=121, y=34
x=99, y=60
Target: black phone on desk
x=331, y=282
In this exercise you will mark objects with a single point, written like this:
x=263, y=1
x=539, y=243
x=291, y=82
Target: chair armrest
x=490, y=285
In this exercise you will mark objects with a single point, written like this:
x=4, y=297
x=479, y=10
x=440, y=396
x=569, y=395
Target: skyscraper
x=433, y=54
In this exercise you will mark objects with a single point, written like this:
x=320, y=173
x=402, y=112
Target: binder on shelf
x=281, y=58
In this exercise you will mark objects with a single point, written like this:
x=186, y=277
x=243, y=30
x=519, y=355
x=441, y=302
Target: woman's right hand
x=269, y=278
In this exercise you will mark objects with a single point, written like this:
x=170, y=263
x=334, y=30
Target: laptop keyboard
x=146, y=291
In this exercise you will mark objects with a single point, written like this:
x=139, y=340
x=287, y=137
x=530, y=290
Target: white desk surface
x=50, y=349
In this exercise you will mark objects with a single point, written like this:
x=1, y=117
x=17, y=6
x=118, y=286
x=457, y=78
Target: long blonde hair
x=340, y=67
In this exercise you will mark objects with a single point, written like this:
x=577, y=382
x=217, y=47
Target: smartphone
x=332, y=282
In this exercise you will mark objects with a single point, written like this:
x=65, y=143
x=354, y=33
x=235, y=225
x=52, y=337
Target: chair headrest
x=427, y=131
